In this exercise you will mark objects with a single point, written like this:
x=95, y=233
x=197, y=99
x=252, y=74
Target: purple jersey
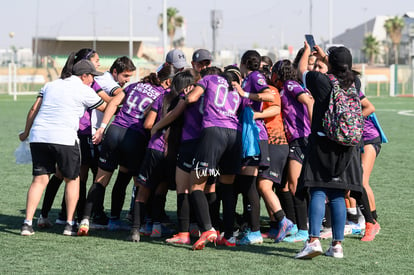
x=85, y=127
x=193, y=118
x=157, y=141
x=220, y=104
x=255, y=83
x=295, y=114
x=138, y=96
x=370, y=131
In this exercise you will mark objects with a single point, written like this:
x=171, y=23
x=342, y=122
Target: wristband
x=246, y=94
x=103, y=125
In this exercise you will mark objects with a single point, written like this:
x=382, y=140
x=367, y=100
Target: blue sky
x=262, y=23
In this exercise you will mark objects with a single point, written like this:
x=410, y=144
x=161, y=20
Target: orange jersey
x=274, y=125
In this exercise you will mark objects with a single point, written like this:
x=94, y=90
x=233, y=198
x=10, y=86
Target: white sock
x=29, y=223
x=352, y=211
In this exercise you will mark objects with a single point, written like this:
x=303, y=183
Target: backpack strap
x=333, y=79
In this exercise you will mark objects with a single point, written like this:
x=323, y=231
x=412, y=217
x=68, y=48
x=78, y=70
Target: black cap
x=339, y=57
x=85, y=67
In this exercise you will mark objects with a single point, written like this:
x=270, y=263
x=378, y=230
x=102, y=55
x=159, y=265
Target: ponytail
x=67, y=69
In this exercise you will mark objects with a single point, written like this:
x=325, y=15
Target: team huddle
x=256, y=129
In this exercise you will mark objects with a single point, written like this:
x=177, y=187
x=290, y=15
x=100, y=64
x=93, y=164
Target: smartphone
x=310, y=40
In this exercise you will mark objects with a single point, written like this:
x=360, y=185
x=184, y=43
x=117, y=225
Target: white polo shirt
x=64, y=103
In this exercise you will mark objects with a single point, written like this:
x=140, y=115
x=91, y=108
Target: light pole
x=12, y=72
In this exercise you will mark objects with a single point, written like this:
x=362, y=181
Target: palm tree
x=173, y=21
x=393, y=27
x=371, y=48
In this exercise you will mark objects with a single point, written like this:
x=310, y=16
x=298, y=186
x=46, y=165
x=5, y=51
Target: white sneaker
x=335, y=251
x=310, y=250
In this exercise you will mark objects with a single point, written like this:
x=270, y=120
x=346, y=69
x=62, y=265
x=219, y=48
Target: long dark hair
x=340, y=61
x=167, y=71
x=285, y=70
x=179, y=82
x=252, y=60
x=67, y=69
x=74, y=58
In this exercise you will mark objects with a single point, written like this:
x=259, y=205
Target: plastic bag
x=22, y=153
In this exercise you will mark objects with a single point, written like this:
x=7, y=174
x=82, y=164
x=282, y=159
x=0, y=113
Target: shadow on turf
x=12, y=224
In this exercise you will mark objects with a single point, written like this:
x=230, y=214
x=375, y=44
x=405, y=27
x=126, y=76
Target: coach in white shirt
x=53, y=122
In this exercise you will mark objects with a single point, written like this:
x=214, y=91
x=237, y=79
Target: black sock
x=139, y=213
x=183, y=212
x=374, y=214
x=158, y=203
x=229, y=207
x=95, y=196
x=363, y=204
x=200, y=206
x=214, y=208
x=301, y=212
x=118, y=194
x=82, y=200
x=286, y=200
x=50, y=194
x=247, y=184
x=352, y=217
x=279, y=215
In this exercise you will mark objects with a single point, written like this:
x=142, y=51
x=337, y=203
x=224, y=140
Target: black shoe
x=70, y=230
x=27, y=230
x=100, y=221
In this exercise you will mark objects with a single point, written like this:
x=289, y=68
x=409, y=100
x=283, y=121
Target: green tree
x=174, y=21
x=371, y=48
x=393, y=27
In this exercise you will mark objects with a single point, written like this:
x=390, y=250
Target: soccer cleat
x=310, y=250
x=83, y=228
x=370, y=231
x=231, y=242
x=284, y=226
x=70, y=230
x=205, y=237
x=156, y=230
x=271, y=234
x=146, y=230
x=335, y=251
x=292, y=231
x=117, y=224
x=180, y=238
x=301, y=236
x=326, y=233
x=194, y=230
x=134, y=236
x=251, y=238
x=100, y=221
x=43, y=222
x=27, y=230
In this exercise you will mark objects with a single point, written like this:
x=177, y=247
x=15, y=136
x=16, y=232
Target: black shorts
x=153, y=169
x=45, y=157
x=186, y=154
x=278, y=158
x=297, y=149
x=218, y=152
x=89, y=151
x=263, y=160
x=124, y=147
x=375, y=142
